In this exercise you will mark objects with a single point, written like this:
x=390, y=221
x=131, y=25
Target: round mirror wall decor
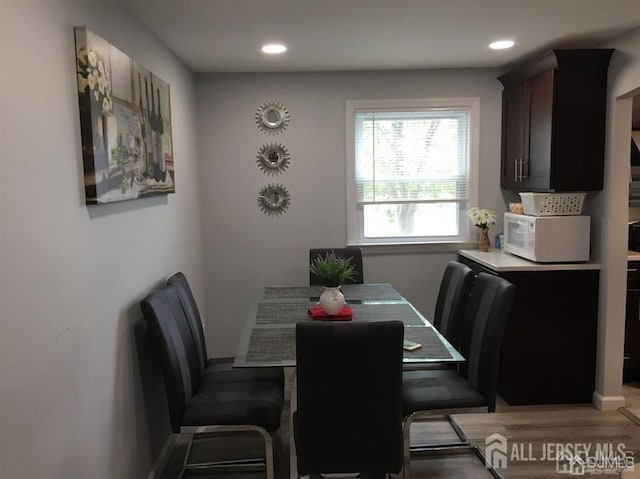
x=272, y=117
x=274, y=199
x=273, y=158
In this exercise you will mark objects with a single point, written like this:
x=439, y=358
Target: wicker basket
x=552, y=204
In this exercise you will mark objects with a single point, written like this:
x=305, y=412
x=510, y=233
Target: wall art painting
x=125, y=123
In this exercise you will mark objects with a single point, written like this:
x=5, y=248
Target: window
x=409, y=170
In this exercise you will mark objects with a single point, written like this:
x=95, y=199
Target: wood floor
x=527, y=429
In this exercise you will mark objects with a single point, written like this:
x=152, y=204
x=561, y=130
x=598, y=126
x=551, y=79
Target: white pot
x=332, y=300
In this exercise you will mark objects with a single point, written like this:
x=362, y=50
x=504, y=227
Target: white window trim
x=352, y=106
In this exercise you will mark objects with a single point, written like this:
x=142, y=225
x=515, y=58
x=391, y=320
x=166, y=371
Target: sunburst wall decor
x=273, y=158
x=272, y=117
x=274, y=199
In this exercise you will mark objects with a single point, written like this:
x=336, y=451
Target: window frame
x=355, y=217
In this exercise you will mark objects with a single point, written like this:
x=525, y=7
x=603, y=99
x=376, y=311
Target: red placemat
x=317, y=312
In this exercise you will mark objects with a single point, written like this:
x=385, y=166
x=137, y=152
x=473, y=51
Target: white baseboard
x=163, y=457
x=608, y=403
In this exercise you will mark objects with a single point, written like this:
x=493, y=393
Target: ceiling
x=323, y=35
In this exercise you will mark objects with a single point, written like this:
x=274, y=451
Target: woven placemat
x=282, y=312
x=385, y=312
x=432, y=347
x=273, y=344
x=383, y=292
x=292, y=312
x=278, y=344
x=292, y=292
x=352, y=292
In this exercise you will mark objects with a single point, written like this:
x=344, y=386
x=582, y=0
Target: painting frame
x=125, y=123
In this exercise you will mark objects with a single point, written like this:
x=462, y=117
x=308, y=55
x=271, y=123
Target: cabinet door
x=513, y=118
x=538, y=131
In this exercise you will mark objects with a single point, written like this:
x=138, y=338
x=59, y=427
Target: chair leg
x=406, y=443
x=489, y=466
x=249, y=463
x=432, y=415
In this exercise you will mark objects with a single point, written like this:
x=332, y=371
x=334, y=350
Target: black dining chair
x=453, y=295
x=198, y=406
x=349, y=399
x=356, y=259
x=437, y=393
x=217, y=370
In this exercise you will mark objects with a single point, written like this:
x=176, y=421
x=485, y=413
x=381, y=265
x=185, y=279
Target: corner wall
x=81, y=395
x=611, y=218
x=245, y=249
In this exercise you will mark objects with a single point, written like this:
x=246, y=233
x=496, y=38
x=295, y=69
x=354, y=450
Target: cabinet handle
x=515, y=170
x=522, y=175
x=632, y=270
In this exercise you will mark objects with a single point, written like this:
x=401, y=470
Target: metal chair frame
x=464, y=446
x=240, y=464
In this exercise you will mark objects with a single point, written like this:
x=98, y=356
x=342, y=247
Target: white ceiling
x=226, y=35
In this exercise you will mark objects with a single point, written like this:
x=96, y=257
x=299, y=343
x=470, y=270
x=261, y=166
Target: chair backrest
x=167, y=340
x=191, y=312
x=355, y=253
x=349, y=397
x=486, y=317
x=452, y=300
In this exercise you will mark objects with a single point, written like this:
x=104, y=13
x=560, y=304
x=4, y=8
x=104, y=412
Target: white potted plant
x=333, y=272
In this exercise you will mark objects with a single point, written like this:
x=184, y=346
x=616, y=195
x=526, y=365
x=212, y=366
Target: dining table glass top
x=268, y=336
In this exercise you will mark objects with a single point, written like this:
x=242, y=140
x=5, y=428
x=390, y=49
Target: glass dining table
x=269, y=334
x=268, y=337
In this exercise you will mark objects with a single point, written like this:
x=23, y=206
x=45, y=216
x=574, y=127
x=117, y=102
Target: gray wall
x=81, y=396
x=246, y=249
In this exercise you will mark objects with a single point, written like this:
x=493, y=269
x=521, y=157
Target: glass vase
x=484, y=243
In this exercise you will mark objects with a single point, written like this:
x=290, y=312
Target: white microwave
x=547, y=239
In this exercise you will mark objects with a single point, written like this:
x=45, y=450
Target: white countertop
x=497, y=260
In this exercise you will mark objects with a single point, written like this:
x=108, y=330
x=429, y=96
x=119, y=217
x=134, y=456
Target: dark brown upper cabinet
x=553, y=122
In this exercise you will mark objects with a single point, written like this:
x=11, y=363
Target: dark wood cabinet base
x=549, y=347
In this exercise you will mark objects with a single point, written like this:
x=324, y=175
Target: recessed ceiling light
x=274, y=48
x=501, y=44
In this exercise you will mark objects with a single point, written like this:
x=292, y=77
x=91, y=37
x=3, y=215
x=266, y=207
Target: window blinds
x=412, y=156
